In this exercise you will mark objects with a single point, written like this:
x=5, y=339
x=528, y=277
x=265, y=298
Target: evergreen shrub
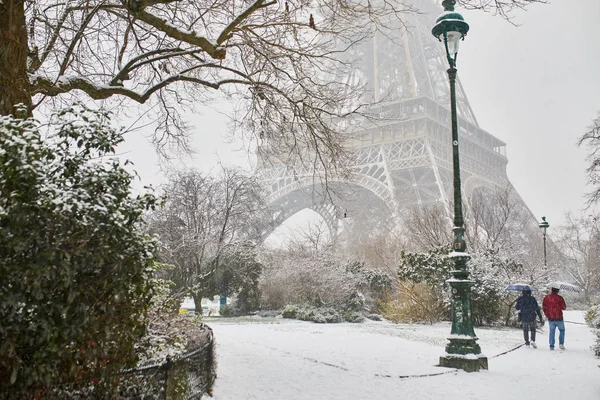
x=592, y=317
x=75, y=266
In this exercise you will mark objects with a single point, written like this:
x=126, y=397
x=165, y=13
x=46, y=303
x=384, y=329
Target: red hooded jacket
x=553, y=306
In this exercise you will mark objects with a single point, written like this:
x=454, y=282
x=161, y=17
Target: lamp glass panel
x=453, y=42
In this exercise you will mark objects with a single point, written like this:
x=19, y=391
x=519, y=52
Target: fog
x=532, y=83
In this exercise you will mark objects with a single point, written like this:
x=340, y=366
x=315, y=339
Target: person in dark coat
x=528, y=307
x=553, y=306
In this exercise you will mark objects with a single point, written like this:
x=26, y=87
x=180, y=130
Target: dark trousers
x=529, y=327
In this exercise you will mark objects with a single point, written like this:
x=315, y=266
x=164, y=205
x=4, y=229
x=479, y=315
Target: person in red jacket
x=553, y=306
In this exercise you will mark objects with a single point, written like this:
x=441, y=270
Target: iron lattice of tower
x=404, y=159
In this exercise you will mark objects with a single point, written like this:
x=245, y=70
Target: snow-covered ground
x=271, y=359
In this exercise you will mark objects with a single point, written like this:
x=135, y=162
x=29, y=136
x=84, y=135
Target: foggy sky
x=535, y=86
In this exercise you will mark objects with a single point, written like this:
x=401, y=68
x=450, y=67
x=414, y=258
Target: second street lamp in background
x=462, y=351
x=543, y=226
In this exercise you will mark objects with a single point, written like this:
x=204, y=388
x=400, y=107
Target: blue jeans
x=561, y=332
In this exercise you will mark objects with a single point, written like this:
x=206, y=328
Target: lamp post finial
x=448, y=5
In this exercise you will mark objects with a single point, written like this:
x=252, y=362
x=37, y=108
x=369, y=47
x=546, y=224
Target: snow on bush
x=592, y=317
x=318, y=287
x=422, y=294
x=74, y=263
x=321, y=315
x=304, y=278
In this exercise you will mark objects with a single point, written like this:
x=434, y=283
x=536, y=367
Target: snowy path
x=300, y=360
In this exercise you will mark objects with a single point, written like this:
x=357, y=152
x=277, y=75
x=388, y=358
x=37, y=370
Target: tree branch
x=49, y=88
x=215, y=51
x=258, y=4
x=137, y=62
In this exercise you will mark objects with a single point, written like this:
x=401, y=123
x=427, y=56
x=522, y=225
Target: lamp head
x=450, y=28
x=544, y=225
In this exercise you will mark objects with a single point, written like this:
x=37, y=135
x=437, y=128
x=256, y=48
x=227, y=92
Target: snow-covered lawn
x=270, y=359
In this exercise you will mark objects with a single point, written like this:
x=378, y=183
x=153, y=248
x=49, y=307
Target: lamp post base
x=470, y=363
x=465, y=354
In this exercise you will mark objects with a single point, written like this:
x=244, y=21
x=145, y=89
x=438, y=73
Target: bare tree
x=278, y=60
x=498, y=226
x=305, y=276
x=498, y=7
x=379, y=252
x=428, y=226
x=313, y=237
x=497, y=219
x=202, y=216
x=591, y=139
x=579, y=242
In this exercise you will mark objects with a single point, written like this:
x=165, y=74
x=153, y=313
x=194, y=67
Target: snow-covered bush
x=290, y=311
x=422, y=292
x=412, y=302
x=304, y=278
x=318, y=279
x=231, y=311
x=321, y=315
x=355, y=302
x=168, y=332
x=238, y=274
x=592, y=317
x=372, y=287
x=75, y=267
x=488, y=291
x=353, y=317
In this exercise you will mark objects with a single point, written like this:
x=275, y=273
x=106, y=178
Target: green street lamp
x=543, y=226
x=462, y=350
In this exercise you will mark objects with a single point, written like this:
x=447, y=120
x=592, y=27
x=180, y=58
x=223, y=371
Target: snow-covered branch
x=98, y=92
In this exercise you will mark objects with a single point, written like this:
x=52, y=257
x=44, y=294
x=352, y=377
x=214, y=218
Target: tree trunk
x=14, y=82
x=510, y=312
x=197, y=296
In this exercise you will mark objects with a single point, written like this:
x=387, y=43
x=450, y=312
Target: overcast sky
x=535, y=86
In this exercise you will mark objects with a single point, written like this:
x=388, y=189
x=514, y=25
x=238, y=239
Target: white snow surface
x=280, y=359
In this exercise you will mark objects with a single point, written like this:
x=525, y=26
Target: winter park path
x=271, y=359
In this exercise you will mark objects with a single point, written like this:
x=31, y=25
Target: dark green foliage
x=592, y=317
x=430, y=272
x=375, y=282
x=432, y=267
x=373, y=317
x=353, y=317
x=321, y=315
x=74, y=265
x=206, y=228
x=355, y=302
x=290, y=312
x=229, y=311
x=486, y=270
x=238, y=272
x=488, y=296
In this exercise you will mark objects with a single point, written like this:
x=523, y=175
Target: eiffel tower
x=405, y=159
